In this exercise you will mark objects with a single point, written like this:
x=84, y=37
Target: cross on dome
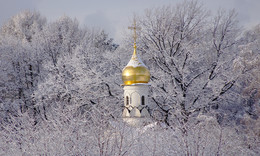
x=135, y=71
x=134, y=36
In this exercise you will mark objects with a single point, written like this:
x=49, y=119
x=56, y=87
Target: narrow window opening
x=143, y=102
x=127, y=100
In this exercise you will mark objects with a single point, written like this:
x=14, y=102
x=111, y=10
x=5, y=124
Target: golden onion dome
x=135, y=71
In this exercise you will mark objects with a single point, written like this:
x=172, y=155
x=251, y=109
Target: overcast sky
x=114, y=15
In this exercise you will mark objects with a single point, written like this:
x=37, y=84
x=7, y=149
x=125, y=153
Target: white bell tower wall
x=136, y=100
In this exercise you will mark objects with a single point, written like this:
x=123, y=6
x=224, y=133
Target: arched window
x=127, y=100
x=143, y=102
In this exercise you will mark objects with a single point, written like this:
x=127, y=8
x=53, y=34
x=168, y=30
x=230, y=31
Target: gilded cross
x=134, y=28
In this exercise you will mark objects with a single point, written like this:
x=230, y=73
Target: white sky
x=114, y=15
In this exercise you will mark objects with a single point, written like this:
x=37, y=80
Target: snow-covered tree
x=190, y=55
x=84, y=78
x=248, y=62
x=18, y=73
x=59, y=38
x=24, y=26
x=20, y=63
x=60, y=88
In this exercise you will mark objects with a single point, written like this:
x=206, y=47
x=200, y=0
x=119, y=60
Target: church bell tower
x=136, y=87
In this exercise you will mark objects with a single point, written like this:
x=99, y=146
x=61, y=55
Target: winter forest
x=61, y=93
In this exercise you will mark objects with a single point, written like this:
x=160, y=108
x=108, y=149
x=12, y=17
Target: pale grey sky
x=114, y=15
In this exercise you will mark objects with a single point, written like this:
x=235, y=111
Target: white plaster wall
x=135, y=93
x=135, y=99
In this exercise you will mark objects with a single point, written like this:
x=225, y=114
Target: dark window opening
x=127, y=100
x=143, y=100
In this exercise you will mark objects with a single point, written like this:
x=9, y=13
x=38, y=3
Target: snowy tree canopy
x=61, y=94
